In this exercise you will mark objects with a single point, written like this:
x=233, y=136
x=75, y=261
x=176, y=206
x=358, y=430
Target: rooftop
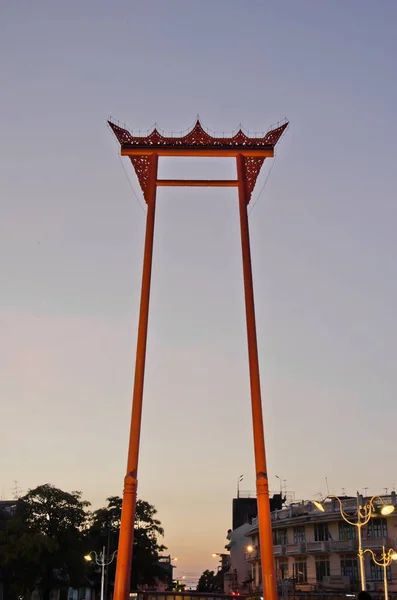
x=306, y=509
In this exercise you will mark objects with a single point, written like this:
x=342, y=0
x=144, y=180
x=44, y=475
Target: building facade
x=318, y=550
x=238, y=578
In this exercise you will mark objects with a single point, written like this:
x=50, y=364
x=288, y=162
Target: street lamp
x=386, y=560
x=364, y=513
x=225, y=558
x=102, y=562
x=222, y=555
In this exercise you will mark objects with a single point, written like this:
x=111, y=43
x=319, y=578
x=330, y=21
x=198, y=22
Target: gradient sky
x=323, y=244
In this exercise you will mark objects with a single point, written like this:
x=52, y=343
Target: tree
x=43, y=541
x=146, y=550
x=105, y=525
x=108, y=517
x=104, y=531
x=211, y=582
x=20, y=555
x=207, y=582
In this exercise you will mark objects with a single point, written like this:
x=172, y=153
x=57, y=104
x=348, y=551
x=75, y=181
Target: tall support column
x=126, y=539
x=262, y=484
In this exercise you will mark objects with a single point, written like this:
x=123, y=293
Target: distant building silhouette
x=246, y=509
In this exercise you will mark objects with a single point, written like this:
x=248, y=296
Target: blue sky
x=323, y=247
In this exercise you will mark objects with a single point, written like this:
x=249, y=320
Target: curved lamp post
x=386, y=559
x=364, y=513
x=102, y=562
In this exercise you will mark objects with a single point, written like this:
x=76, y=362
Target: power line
x=263, y=186
x=17, y=490
x=268, y=175
x=131, y=186
x=126, y=174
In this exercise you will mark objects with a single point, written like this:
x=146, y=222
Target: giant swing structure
x=144, y=153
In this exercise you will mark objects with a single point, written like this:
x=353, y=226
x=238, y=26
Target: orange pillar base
x=126, y=539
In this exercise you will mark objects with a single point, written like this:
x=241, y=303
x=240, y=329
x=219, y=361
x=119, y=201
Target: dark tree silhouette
x=42, y=542
x=104, y=531
x=44, y=539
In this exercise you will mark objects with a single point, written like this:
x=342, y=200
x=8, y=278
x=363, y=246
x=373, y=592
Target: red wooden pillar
x=262, y=484
x=126, y=539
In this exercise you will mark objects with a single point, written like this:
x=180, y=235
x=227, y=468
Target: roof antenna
x=239, y=480
x=17, y=490
x=326, y=483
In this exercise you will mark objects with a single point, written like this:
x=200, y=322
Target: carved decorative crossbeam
x=197, y=142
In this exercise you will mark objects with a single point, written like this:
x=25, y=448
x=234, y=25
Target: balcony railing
x=252, y=556
x=311, y=547
x=343, y=545
x=299, y=548
x=378, y=543
x=317, y=546
x=279, y=550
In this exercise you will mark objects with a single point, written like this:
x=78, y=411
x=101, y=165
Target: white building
x=239, y=576
x=318, y=550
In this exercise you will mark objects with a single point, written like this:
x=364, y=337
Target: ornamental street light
x=386, y=559
x=102, y=562
x=364, y=513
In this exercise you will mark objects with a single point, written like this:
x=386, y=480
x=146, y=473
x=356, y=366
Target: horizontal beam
x=219, y=151
x=197, y=182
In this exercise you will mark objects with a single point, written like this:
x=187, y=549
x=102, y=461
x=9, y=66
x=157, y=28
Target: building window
x=322, y=569
x=377, y=572
x=300, y=571
x=349, y=568
x=283, y=568
x=346, y=531
x=321, y=532
x=280, y=537
x=377, y=528
x=299, y=534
